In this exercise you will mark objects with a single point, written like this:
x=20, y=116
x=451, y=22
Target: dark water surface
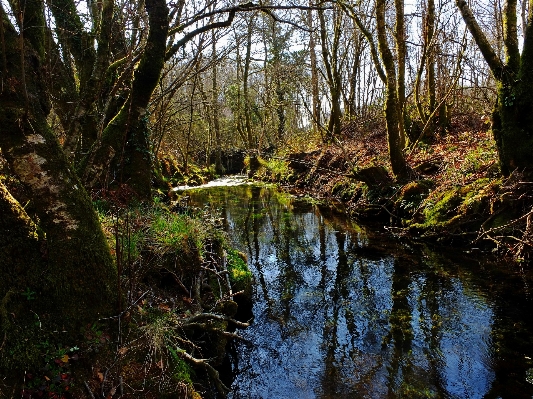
x=343, y=313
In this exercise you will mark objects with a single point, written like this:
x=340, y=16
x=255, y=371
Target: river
x=342, y=312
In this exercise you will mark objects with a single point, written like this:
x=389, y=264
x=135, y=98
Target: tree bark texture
x=314, y=73
x=76, y=286
x=395, y=136
x=331, y=64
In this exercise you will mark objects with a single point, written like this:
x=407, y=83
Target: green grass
x=173, y=231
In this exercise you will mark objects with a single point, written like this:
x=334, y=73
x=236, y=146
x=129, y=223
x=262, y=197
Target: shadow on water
x=342, y=313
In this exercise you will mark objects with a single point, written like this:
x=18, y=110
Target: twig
x=89, y=390
x=180, y=283
x=3, y=342
x=126, y=310
x=499, y=228
x=225, y=269
x=214, y=316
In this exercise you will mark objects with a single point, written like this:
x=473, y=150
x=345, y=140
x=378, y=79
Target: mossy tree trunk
x=76, y=287
x=429, y=33
x=384, y=61
x=400, y=38
x=330, y=57
x=513, y=113
x=314, y=72
x=393, y=98
x=215, y=109
x=250, y=139
x=20, y=241
x=78, y=89
x=22, y=270
x=123, y=154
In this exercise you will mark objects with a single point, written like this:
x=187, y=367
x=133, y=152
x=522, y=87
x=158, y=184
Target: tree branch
x=495, y=64
x=231, y=11
x=222, y=389
x=349, y=9
x=214, y=316
x=189, y=36
x=510, y=38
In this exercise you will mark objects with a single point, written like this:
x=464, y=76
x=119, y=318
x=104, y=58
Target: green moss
x=24, y=314
x=502, y=218
x=278, y=169
x=170, y=168
x=173, y=230
x=69, y=268
x=412, y=194
x=443, y=207
x=477, y=196
x=237, y=266
x=240, y=275
x=339, y=187
x=346, y=190
x=181, y=371
x=456, y=206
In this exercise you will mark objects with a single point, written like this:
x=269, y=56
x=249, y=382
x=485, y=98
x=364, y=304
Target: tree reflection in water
x=340, y=313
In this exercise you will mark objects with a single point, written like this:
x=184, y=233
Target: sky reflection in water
x=338, y=317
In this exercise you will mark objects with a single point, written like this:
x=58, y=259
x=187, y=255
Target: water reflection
x=339, y=315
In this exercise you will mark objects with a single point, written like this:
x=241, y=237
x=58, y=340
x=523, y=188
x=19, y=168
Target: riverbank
x=455, y=194
x=342, y=311
x=180, y=285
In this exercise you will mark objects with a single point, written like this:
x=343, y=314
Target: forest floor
x=454, y=195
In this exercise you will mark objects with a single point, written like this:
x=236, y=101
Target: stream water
x=340, y=312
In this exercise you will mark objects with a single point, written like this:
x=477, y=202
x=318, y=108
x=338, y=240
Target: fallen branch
x=89, y=390
x=221, y=388
x=513, y=222
x=214, y=316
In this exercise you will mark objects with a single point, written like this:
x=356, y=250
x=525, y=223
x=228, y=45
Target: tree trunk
x=314, y=72
x=123, y=155
x=276, y=50
x=430, y=46
x=387, y=74
x=512, y=118
x=80, y=118
x=401, y=54
x=395, y=136
x=76, y=287
x=245, y=77
x=331, y=65
x=512, y=126
x=22, y=247
x=215, y=110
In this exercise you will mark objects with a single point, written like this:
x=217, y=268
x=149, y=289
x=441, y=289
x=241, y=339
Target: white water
x=228, y=181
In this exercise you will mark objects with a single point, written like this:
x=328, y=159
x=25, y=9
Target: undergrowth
x=170, y=331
